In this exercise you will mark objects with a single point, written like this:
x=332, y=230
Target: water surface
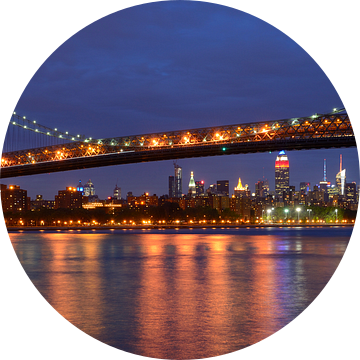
x=181, y=293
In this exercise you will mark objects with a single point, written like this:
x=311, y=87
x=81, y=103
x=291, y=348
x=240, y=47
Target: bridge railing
x=333, y=125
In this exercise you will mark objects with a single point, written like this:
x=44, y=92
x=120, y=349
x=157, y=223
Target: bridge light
x=333, y=109
x=36, y=130
x=24, y=117
x=14, y=113
x=223, y=149
x=217, y=135
x=72, y=138
x=14, y=122
x=55, y=129
x=66, y=133
x=34, y=121
x=24, y=126
x=47, y=133
x=78, y=135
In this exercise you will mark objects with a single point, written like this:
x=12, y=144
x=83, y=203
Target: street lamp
x=336, y=211
x=269, y=213
x=309, y=211
x=286, y=212
x=298, y=211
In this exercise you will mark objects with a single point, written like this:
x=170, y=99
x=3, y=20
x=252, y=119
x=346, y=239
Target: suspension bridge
x=52, y=150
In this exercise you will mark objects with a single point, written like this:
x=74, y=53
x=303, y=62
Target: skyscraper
x=281, y=174
x=192, y=187
x=200, y=187
x=241, y=191
x=80, y=188
x=222, y=187
x=262, y=189
x=117, y=193
x=341, y=179
x=178, y=180
x=89, y=188
x=171, y=187
x=304, y=188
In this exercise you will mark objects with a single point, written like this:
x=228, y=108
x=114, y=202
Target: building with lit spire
x=281, y=174
x=241, y=191
x=117, y=193
x=341, y=179
x=192, y=186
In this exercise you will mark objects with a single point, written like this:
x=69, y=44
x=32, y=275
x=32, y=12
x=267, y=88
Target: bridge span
x=332, y=130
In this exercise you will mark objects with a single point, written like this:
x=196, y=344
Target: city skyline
x=180, y=74
x=103, y=192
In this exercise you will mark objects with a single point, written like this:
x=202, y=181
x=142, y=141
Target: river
x=181, y=294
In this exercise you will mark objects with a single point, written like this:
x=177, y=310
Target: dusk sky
x=172, y=66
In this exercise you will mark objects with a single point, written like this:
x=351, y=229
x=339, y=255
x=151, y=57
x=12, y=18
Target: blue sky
x=178, y=65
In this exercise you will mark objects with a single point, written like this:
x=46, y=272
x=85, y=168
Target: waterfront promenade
x=175, y=227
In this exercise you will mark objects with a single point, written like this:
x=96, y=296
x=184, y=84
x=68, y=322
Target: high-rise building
x=171, y=186
x=341, y=179
x=262, y=189
x=178, y=180
x=117, y=193
x=281, y=174
x=350, y=193
x=200, y=188
x=69, y=199
x=80, y=188
x=192, y=186
x=89, y=188
x=40, y=203
x=14, y=199
x=304, y=188
x=241, y=191
x=222, y=187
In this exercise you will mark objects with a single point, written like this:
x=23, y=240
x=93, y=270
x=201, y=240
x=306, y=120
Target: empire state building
x=281, y=174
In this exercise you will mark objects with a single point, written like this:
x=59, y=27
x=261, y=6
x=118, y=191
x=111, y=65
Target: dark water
x=181, y=294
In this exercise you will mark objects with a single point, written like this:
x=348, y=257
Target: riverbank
x=160, y=227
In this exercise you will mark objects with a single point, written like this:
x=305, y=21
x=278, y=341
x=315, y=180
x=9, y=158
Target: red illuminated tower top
x=281, y=174
x=282, y=160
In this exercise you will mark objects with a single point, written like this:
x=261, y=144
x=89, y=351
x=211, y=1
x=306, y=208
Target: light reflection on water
x=183, y=294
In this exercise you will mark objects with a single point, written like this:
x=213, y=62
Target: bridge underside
x=169, y=153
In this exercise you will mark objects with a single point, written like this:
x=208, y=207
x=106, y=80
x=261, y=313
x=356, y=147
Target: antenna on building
x=340, y=162
x=325, y=179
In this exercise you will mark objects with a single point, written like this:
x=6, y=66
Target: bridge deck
x=320, y=131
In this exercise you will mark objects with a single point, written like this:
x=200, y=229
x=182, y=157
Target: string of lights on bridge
x=24, y=123
x=319, y=130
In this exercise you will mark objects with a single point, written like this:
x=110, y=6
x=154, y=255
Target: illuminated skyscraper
x=281, y=174
x=80, y=188
x=341, y=179
x=192, y=187
x=178, y=180
x=241, y=191
x=89, y=188
x=200, y=187
x=117, y=193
